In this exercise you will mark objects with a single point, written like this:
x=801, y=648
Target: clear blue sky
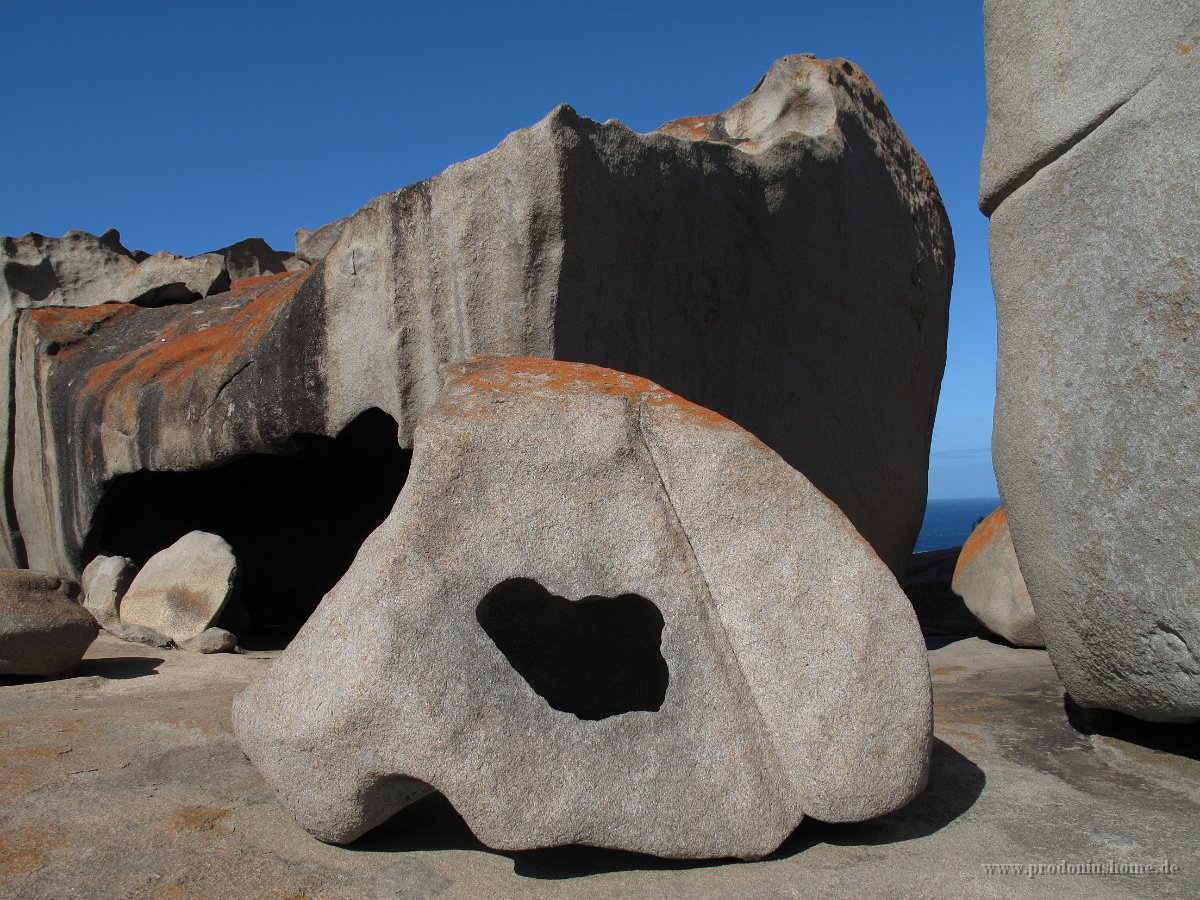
x=190, y=125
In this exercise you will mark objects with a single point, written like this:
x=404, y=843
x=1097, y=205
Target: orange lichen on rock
x=199, y=818
x=24, y=849
x=62, y=329
x=508, y=375
x=692, y=126
x=183, y=352
x=982, y=537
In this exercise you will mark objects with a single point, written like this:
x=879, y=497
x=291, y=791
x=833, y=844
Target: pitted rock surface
x=801, y=289
x=555, y=502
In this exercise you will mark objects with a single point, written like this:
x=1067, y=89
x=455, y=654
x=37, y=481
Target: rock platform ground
x=126, y=781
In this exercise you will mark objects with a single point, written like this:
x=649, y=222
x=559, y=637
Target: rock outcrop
x=599, y=614
x=43, y=631
x=1091, y=174
x=786, y=263
x=182, y=590
x=81, y=269
x=988, y=578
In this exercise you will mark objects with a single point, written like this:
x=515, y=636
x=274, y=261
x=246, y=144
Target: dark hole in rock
x=596, y=657
x=295, y=522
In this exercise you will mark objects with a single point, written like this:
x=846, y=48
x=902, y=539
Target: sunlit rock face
x=1091, y=174
x=599, y=614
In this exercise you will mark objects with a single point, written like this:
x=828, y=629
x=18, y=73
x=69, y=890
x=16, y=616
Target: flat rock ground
x=125, y=781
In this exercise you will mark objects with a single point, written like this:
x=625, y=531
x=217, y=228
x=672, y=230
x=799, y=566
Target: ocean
x=948, y=523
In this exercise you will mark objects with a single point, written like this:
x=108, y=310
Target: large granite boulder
x=599, y=614
x=1091, y=173
x=181, y=591
x=988, y=578
x=43, y=631
x=787, y=264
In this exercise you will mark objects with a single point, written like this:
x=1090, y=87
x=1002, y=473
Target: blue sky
x=189, y=125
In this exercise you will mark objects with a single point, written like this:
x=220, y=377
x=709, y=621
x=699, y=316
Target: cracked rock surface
x=781, y=671
x=1091, y=175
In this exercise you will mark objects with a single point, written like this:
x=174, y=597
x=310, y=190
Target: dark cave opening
x=596, y=657
x=295, y=521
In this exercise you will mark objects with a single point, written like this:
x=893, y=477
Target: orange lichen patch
x=499, y=376
x=183, y=352
x=245, y=284
x=24, y=849
x=199, y=818
x=693, y=126
x=982, y=537
x=955, y=732
x=1181, y=49
x=63, y=330
x=945, y=670
x=969, y=712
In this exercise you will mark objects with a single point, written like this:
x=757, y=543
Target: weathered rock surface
x=166, y=278
x=82, y=269
x=800, y=289
x=139, y=634
x=104, y=582
x=1095, y=250
x=988, y=578
x=181, y=591
x=78, y=269
x=253, y=258
x=312, y=245
x=599, y=614
x=211, y=640
x=43, y=631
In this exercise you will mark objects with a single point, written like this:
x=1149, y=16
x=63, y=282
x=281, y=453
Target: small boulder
x=211, y=640
x=599, y=614
x=181, y=590
x=139, y=634
x=989, y=580
x=42, y=630
x=104, y=582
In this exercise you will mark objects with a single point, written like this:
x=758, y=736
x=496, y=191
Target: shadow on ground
x=432, y=824
x=118, y=667
x=1165, y=737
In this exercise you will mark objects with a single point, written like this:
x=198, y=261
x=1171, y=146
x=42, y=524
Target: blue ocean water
x=948, y=523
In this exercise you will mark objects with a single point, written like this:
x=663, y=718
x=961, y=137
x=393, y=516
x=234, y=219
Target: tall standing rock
x=1091, y=175
x=599, y=614
x=786, y=263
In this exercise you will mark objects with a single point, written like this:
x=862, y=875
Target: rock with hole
x=599, y=614
x=182, y=590
x=43, y=631
x=1091, y=175
x=988, y=578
